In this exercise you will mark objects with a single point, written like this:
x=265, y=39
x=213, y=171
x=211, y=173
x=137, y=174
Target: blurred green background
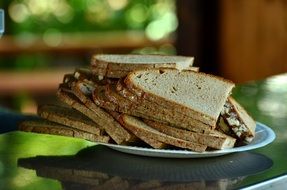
x=62, y=34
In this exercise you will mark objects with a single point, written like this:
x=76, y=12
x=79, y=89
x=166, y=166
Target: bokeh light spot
x=18, y=12
x=52, y=37
x=117, y=4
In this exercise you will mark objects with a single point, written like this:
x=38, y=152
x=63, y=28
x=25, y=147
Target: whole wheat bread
x=199, y=95
x=113, y=108
x=117, y=66
x=69, y=117
x=100, y=100
x=84, y=91
x=48, y=127
x=141, y=129
x=99, y=116
x=213, y=139
x=157, y=112
x=148, y=140
x=148, y=110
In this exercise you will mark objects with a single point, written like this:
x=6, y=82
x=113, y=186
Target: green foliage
x=80, y=16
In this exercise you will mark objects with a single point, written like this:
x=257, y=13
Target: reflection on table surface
x=99, y=167
x=265, y=100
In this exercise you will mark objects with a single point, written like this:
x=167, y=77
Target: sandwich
x=237, y=121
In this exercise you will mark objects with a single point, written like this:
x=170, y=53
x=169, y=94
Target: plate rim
x=146, y=151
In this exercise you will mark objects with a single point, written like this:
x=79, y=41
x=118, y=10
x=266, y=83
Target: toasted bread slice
x=48, y=127
x=213, y=139
x=99, y=116
x=141, y=129
x=199, y=95
x=118, y=66
x=241, y=123
x=69, y=117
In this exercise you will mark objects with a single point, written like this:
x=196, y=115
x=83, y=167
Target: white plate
x=264, y=135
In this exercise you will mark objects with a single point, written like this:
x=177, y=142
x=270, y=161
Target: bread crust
x=121, y=73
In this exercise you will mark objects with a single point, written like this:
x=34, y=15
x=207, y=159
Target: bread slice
x=48, y=127
x=148, y=140
x=110, y=103
x=99, y=116
x=141, y=129
x=135, y=61
x=116, y=105
x=84, y=91
x=131, y=108
x=117, y=66
x=125, y=105
x=240, y=122
x=158, y=112
x=198, y=95
x=69, y=117
x=213, y=139
x=100, y=100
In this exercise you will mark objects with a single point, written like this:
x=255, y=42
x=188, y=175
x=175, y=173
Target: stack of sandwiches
x=150, y=100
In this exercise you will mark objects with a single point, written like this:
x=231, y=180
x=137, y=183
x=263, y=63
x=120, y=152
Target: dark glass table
x=37, y=161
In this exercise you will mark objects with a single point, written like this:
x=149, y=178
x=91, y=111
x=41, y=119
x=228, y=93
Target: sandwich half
x=235, y=121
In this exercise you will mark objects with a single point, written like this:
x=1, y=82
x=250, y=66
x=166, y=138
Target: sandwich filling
x=87, y=88
x=239, y=128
